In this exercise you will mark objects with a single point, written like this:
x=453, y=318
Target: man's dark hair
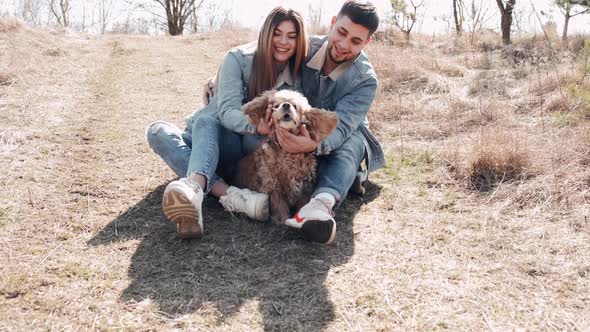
x=361, y=12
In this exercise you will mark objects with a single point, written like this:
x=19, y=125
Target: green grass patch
x=573, y=107
x=401, y=166
x=582, y=94
x=391, y=170
x=418, y=158
x=75, y=269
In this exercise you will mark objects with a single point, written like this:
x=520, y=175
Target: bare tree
x=177, y=13
x=105, y=11
x=216, y=16
x=315, y=17
x=60, y=9
x=506, y=8
x=477, y=17
x=520, y=16
x=83, y=23
x=30, y=11
x=403, y=18
x=194, y=17
x=569, y=9
x=458, y=15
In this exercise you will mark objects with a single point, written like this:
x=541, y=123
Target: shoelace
x=196, y=187
x=229, y=203
x=330, y=211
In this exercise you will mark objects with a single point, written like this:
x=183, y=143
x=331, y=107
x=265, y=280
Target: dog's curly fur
x=288, y=178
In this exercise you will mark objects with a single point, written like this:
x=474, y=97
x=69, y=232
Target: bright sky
x=436, y=14
x=252, y=13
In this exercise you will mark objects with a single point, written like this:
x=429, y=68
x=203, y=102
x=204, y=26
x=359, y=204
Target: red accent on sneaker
x=298, y=219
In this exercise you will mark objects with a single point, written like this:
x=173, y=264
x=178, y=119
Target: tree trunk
x=64, y=5
x=406, y=35
x=177, y=13
x=565, y=26
x=506, y=19
x=506, y=24
x=456, y=16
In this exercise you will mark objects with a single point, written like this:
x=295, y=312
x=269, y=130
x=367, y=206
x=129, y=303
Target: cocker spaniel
x=288, y=178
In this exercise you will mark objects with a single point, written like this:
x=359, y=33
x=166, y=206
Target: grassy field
x=479, y=221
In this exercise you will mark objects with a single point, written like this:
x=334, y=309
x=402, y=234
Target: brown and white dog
x=288, y=178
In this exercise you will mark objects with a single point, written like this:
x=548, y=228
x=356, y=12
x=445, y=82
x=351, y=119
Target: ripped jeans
x=206, y=148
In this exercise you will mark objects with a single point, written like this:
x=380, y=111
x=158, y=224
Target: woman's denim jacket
x=349, y=91
x=232, y=90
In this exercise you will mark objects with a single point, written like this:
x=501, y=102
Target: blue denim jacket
x=232, y=90
x=349, y=91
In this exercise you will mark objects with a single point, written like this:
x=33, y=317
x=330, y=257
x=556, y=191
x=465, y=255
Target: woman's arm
x=230, y=90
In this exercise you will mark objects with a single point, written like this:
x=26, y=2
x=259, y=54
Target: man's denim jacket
x=349, y=91
x=232, y=90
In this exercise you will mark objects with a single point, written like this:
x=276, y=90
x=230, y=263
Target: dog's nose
x=285, y=106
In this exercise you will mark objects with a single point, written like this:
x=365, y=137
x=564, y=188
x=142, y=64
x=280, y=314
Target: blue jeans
x=337, y=171
x=215, y=147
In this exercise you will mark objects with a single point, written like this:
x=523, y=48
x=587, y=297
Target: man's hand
x=296, y=144
x=208, y=90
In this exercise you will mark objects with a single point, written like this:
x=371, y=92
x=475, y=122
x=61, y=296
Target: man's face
x=346, y=39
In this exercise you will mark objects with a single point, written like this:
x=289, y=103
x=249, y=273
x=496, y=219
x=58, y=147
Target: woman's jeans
x=206, y=148
x=217, y=150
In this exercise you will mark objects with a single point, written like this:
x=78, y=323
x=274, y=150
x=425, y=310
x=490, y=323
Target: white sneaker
x=253, y=204
x=316, y=221
x=182, y=205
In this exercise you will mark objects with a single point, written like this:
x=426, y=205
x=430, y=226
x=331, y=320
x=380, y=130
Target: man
x=338, y=77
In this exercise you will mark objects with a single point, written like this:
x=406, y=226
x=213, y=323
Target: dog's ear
x=256, y=108
x=320, y=123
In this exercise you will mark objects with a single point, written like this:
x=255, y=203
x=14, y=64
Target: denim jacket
x=232, y=90
x=349, y=91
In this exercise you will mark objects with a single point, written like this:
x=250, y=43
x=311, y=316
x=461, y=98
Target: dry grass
x=84, y=244
x=498, y=157
x=7, y=78
x=9, y=25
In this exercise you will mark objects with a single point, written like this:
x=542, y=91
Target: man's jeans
x=337, y=171
x=214, y=147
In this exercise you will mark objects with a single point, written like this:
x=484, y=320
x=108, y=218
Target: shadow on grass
x=236, y=261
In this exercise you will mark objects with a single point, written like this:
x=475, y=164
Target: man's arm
x=352, y=110
x=208, y=90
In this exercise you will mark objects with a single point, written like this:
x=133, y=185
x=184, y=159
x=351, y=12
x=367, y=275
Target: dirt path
x=85, y=165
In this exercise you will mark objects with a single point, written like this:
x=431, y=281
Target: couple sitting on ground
x=331, y=71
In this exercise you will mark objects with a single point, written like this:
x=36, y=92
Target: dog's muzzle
x=288, y=111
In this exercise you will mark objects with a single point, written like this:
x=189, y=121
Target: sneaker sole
x=321, y=231
x=262, y=205
x=179, y=210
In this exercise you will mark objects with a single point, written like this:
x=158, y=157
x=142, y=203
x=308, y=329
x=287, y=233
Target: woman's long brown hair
x=264, y=74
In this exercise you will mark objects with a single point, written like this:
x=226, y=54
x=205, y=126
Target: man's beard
x=338, y=62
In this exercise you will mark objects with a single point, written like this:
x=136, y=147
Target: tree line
x=174, y=16
x=474, y=14
x=178, y=16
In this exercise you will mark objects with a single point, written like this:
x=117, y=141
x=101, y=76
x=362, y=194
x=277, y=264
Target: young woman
x=219, y=135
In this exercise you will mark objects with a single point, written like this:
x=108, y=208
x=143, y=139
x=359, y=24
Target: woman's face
x=284, y=42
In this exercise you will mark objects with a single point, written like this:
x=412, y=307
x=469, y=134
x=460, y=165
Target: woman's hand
x=296, y=144
x=208, y=90
x=264, y=126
